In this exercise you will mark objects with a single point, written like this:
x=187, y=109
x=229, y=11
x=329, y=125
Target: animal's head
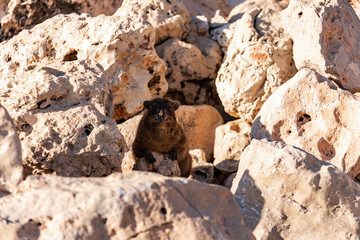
x=161, y=110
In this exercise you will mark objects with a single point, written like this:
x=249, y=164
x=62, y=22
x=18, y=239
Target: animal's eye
x=170, y=109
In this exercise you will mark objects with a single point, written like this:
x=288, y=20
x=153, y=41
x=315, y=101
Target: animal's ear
x=176, y=104
x=147, y=104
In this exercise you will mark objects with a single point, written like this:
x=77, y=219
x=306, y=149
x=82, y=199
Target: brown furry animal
x=159, y=131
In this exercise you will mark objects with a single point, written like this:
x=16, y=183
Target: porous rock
x=325, y=35
x=258, y=60
x=207, y=8
x=62, y=113
x=238, y=11
x=199, y=124
x=284, y=192
x=122, y=44
x=187, y=62
x=170, y=19
x=121, y=206
x=312, y=113
x=20, y=14
x=201, y=169
x=230, y=140
x=11, y=168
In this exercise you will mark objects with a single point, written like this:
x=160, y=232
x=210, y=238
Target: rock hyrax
x=159, y=131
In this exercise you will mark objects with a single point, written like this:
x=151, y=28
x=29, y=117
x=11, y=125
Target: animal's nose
x=161, y=114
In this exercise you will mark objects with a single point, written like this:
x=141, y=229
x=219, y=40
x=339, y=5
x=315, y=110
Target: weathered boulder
x=120, y=206
x=238, y=11
x=284, y=192
x=170, y=19
x=20, y=14
x=122, y=43
x=62, y=113
x=207, y=8
x=312, y=113
x=258, y=60
x=325, y=35
x=11, y=168
x=189, y=65
x=201, y=169
x=199, y=124
x=356, y=6
x=230, y=140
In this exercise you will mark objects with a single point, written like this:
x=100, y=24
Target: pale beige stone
x=326, y=38
x=62, y=112
x=170, y=19
x=123, y=45
x=24, y=14
x=207, y=8
x=284, y=192
x=258, y=60
x=238, y=11
x=121, y=206
x=199, y=124
x=230, y=140
x=201, y=169
x=187, y=62
x=356, y=6
x=11, y=168
x=312, y=113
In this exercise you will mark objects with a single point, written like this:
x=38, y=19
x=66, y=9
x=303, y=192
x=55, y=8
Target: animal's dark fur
x=159, y=131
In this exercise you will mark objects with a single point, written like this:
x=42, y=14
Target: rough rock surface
x=11, y=168
x=356, y=6
x=285, y=193
x=122, y=44
x=309, y=112
x=20, y=14
x=170, y=19
x=63, y=115
x=186, y=62
x=325, y=35
x=238, y=11
x=207, y=8
x=120, y=206
x=257, y=62
x=230, y=140
x=199, y=124
x=201, y=169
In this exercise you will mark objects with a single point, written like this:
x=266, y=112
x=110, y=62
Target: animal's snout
x=161, y=116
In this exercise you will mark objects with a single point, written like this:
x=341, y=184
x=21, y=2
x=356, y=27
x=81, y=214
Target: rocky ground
x=270, y=107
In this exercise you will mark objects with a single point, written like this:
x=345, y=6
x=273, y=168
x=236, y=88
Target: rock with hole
x=63, y=114
x=121, y=206
x=325, y=35
x=257, y=61
x=312, y=113
x=284, y=192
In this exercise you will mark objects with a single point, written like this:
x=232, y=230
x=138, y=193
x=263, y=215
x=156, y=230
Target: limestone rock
x=120, y=206
x=207, y=8
x=123, y=45
x=230, y=140
x=170, y=19
x=201, y=170
x=199, y=124
x=128, y=129
x=62, y=113
x=229, y=180
x=284, y=192
x=257, y=62
x=20, y=14
x=186, y=62
x=312, y=113
x=325, y=35
x=11, y=168
x=238, y=11
x=356, y=6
